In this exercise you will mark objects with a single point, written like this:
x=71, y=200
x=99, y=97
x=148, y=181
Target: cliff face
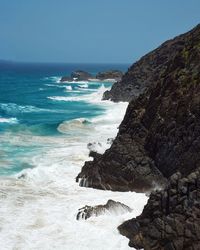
x=160, y=133
x=171, y=218
x=144, y=72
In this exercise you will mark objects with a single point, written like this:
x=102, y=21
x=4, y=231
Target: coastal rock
x=66, y=79
x=94, y=146
x=111, y=206
x=160, y=133
x=145, y=72
x=171, y=218
x=123, y=167
x=111, y=74
x=80, y=75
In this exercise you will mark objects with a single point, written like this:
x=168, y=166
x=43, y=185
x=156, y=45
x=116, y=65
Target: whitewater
x=39, y=203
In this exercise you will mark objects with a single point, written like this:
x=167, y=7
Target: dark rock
x=110, y=140
x=80, y=75
x=66, y=79
x=94, y=146
x=146, y=71
x=171, y=228
x=111, y=206
x=160, y=133
x=111, y=74
x=94, y=154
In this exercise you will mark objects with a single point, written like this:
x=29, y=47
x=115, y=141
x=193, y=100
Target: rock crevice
x=171, y=218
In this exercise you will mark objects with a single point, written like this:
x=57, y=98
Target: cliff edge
x=160, y=132
x=143, y=73
x=158, y=145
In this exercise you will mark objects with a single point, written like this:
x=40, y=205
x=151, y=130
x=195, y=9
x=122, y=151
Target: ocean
x=45, y=127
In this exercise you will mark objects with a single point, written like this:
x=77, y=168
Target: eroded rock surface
x=111, y=74
x=171, y=218
x=111, y=206
x=160, y=132
x=144, y=72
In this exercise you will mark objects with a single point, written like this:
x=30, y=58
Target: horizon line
x=43, y=62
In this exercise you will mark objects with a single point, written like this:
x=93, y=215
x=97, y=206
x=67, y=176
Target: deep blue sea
x=33, y=104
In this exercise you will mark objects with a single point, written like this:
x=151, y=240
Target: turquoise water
x=33, y=105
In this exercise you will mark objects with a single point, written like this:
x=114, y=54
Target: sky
x=90, y=31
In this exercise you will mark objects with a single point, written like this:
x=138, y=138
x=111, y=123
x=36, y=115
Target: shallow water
x=45, y=127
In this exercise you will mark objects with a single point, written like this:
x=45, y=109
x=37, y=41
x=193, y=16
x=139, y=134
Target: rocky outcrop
x=111, y=206
x=124, y=167
x=111, y=74
x=160, y=132
x=144, y=72
x=80, y=75
x=66, y=79
x=171, y=218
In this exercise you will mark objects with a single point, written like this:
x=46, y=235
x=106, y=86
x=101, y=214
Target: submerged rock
x=111, y=206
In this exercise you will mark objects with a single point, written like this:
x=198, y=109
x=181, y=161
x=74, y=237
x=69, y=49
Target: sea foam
x=39, y=205
x=95, y=97
x=8, y=120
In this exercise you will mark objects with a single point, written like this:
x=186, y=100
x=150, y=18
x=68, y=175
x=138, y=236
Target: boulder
x=111, y=206
x=171, y=218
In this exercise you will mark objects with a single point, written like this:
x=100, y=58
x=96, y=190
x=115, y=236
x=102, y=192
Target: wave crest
x=74, y=125
x=8, y=120
x=95, y=97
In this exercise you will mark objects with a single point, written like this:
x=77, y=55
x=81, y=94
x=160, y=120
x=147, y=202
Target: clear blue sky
x=90, y=30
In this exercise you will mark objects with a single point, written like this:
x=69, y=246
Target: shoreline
x=43, y=204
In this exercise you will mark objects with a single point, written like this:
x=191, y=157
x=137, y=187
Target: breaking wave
x=95, y=97
x=8, y=120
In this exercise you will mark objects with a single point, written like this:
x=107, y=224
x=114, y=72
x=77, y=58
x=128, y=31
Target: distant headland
x=80, y=75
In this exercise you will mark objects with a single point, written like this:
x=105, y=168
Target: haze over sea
x=45, y=127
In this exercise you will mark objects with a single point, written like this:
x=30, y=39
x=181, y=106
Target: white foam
x=76, y=125
x=83, y=86
x=78, y=82
x=39, y=210
x=68, y=87
x=8, y=120
x=53, y=79
x=15, y=108
x=95, y=97
x=55, y=85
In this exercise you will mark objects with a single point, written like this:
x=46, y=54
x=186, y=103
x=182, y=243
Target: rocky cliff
x=171, y=218
x=160, y=133
x=142, y=74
